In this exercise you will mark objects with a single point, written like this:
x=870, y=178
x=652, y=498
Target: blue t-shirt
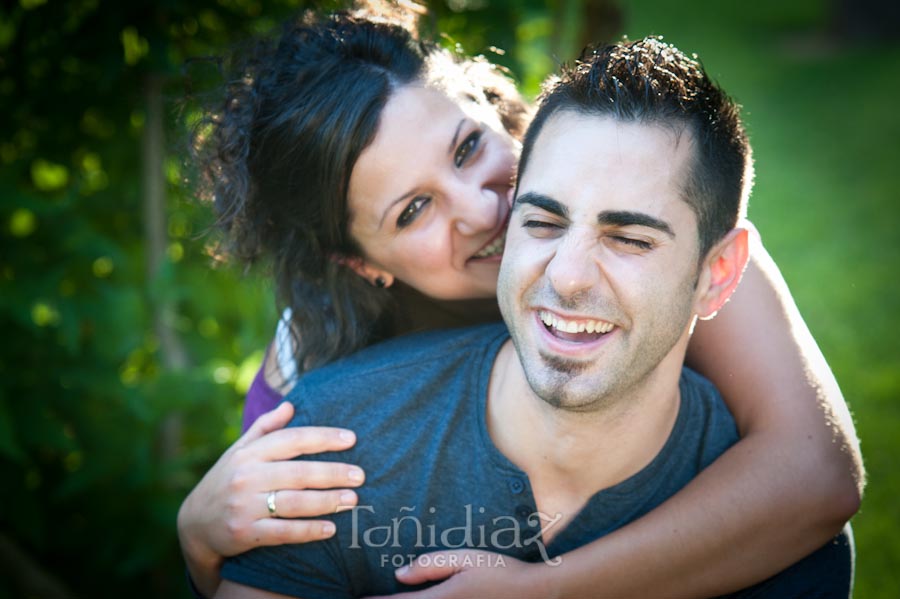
x=434, y=478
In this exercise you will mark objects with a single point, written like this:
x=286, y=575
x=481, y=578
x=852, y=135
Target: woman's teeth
x=575, y=326
x=495, y=248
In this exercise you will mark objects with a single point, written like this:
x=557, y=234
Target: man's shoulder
x=407, y=351
x=699, y=384
x=699, y=394
x=396, y=370
x=705, y=422
x=412, y=404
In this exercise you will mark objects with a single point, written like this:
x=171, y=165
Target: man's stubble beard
x=622, y=377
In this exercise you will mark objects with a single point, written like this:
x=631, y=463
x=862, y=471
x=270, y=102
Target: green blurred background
x=126, y=354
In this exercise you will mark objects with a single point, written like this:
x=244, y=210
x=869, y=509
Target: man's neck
x=569, y=456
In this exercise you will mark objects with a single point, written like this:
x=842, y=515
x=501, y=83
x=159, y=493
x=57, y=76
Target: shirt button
x=524, y=511
x=516, y=485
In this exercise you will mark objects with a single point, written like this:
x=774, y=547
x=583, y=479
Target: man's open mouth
x=577, y=330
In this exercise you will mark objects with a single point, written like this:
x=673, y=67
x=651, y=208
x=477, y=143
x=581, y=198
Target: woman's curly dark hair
x=275, y=159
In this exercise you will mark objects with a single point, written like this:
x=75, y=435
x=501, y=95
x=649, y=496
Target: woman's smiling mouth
x=493, y=247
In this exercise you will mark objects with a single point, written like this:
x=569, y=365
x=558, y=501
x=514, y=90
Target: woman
x=373, y=170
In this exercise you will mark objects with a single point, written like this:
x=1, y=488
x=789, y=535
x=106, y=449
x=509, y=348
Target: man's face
x=598, y=276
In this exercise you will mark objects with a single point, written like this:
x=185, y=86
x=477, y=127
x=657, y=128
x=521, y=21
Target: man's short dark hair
x=649, y=81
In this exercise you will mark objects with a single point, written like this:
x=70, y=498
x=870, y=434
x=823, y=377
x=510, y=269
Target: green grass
x=824, y=126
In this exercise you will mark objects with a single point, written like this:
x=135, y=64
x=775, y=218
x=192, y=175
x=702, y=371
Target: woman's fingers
x=288, y=443
x=307, y=504
x=279, y=531
x=268, y=422
x=300, y=475
x=439, y=565
x=275, y=419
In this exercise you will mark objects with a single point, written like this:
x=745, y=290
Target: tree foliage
x=86, y=386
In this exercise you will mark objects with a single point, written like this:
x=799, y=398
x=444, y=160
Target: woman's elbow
x=842, y=479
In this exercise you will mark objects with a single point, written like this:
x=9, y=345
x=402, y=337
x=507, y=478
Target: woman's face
x=429, y=197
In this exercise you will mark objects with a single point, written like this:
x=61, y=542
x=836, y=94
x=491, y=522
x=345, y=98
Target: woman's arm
x=227, y=512
x=782, y=491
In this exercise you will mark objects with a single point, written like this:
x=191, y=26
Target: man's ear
x=721, y=272
x=375, y=276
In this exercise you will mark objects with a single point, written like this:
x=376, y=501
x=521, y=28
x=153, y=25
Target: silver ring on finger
x=270, y=503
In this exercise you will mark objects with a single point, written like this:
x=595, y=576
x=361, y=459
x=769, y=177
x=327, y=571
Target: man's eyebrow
x=625, y=218
x=543, y=202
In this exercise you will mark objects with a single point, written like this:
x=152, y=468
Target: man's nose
x=573, y=268
x=474, y=209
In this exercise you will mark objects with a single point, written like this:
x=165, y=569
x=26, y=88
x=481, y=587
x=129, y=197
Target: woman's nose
x=475, y=209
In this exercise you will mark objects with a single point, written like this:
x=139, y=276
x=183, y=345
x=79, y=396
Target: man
x=633, y=176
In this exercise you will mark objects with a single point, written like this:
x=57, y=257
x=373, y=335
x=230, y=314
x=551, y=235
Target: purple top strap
x=261, y=398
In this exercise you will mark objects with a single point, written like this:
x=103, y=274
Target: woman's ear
x=375, y=276
x=721, y=272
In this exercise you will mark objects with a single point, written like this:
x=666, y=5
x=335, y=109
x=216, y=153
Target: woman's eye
x=637, y=243
x=412, y=211
x=467, y=148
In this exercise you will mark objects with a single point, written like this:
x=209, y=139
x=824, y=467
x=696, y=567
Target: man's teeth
x=492, y=249
x=575, y=326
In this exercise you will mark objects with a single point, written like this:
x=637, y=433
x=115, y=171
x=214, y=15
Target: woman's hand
x=474, y=573
x=228, y=512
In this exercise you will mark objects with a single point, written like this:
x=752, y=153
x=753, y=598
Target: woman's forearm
x=731, y=527
x=202, y=563
x=761, y=356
